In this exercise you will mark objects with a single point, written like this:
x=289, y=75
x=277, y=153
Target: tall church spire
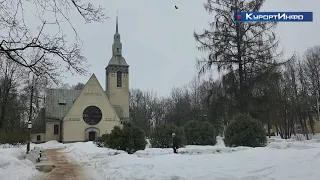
x=117, y=45
x=117, y=58
x=117, y=27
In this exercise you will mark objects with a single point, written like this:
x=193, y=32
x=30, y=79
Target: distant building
x=82, y=115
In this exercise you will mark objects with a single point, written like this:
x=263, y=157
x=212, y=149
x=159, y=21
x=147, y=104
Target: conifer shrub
x=161, y=136
x=101, y=140
x=130, y=139
x=243, y=130
x=200, y=133
x=134, y=138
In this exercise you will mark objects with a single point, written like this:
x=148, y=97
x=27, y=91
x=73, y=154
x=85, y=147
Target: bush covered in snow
x=161, y=136
x=200, y=133
x=130, y=139
x=243, y=130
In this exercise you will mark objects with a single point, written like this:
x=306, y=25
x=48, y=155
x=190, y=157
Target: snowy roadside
x=13, y=166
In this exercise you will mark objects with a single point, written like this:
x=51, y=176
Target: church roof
x=59, y=101
x=118, y=60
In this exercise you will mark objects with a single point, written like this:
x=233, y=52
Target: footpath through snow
x=64, y=168
x=281, y=159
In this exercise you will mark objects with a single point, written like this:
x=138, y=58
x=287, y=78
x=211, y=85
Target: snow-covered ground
x=281, y=159
x=13, y=166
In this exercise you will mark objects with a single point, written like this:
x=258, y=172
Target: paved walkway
x=64, y=168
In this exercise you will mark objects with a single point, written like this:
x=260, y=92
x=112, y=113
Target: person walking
x=174, y=143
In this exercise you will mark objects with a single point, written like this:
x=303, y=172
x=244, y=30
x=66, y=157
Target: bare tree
x=78, y=86
x=45, y=50
x=146, y=109
x=304, y=103
x=312, y=71
x=10, y=74
x=285, y=104
x=196, y=99
x=281, y=114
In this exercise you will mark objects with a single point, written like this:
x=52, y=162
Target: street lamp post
x=29, y=135
x=30, y=115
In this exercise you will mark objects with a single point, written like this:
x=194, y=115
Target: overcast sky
x=158, y=41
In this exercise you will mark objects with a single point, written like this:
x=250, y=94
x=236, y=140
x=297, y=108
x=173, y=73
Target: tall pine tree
x=247, y=49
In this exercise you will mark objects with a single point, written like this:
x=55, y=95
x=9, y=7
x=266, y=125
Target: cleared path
x=64, y=168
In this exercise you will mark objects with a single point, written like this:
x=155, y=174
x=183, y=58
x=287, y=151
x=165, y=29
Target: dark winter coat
x=175, y=142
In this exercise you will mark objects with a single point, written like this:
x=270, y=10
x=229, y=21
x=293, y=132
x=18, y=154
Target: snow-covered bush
x=200, y=133
x=161, y=136
x=243, y=130
x=130, y=139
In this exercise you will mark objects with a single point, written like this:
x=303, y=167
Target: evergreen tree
x=244, y=49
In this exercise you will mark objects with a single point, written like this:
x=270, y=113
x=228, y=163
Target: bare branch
x=45, y=51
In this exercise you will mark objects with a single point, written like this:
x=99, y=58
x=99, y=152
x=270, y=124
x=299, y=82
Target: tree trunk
x=241, y=93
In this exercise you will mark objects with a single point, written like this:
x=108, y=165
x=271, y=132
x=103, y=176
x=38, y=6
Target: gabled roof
x=57, y=111
x=92, y=79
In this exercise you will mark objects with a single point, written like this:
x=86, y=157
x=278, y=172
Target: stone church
x=83, y=115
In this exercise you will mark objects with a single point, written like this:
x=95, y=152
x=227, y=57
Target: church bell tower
x=117, y=78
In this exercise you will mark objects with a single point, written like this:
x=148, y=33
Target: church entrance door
x=92, y=135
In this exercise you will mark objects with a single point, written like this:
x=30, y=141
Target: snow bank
x=316, y=136
x=19, y=153
x=294, y=143
x=252, y=163
x=88, y=151
x=90, y=155
x=52, y=145
x=189, y=150
x=281, y=159
x=13, y=166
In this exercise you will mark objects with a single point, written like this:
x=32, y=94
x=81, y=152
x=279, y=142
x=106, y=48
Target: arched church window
x=119, y=79
x=92, y=115
x=117, y=50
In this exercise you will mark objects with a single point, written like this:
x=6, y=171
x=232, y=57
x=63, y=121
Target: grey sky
x=158, y=41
